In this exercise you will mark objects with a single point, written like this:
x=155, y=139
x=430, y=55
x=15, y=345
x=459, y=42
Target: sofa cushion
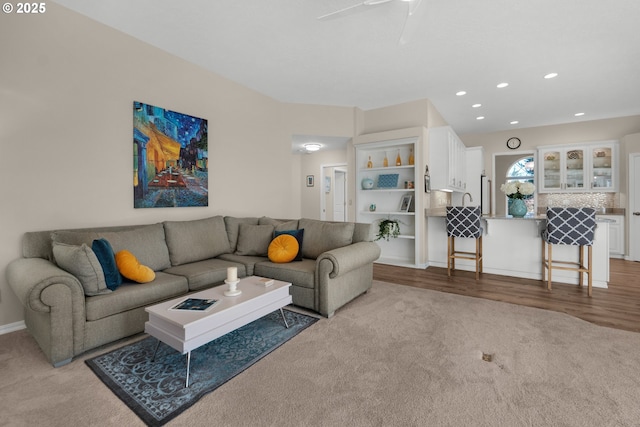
x=204, y=274
x=80, y=261
x=297, y=273
x=190, y=241
x=279, y=224
x=107, y=258
x=299, y=235
x=283, y=248
x=253, y=240
x=322, y=236
x=130, y=267
x=249, y=262
x=146, y=242
x=130, y=296
x=232, y=224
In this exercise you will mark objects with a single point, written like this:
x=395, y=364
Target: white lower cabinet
x=616, y=234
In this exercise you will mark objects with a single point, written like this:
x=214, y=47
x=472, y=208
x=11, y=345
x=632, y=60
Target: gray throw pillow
x=322, y=236
x=232, y=225
x=254, y=240
x=82, y=263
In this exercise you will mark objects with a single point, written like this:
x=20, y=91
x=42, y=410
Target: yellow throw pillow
x=283, y=248
x=130, y=267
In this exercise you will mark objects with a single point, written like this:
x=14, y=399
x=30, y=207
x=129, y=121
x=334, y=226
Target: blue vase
x=517, y=208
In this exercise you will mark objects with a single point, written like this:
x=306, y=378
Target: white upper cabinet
x=446, y=159
x=578, y=168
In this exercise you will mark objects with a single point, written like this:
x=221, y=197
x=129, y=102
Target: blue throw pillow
x=298, y=234
x=104, y=252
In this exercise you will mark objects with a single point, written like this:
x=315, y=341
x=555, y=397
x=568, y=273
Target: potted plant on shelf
x=388, y=228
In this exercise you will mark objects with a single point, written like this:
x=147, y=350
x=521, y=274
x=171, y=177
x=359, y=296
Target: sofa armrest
x=348, y=258
x=29, y=277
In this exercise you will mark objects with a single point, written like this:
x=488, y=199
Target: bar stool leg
x=589, y=259
x=449, y=256
x=478, y=258
x=549, y=266
x=580, y=265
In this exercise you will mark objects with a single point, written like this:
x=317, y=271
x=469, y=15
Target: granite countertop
x=442, y=212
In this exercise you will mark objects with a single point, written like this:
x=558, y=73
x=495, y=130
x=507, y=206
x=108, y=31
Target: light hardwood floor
x=616, y=307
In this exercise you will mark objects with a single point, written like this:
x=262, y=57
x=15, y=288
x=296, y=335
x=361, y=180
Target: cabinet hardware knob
x=636, y=213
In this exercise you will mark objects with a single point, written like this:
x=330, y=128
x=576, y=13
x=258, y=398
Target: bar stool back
x=464, y=222
x=569, y=226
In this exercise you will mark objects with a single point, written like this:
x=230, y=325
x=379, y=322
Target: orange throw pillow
x=130, y=267
x=283, y=248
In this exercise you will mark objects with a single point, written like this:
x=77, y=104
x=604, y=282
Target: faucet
x=470, y=198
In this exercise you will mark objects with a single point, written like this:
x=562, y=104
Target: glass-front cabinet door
x=551, y=170
x=574, y=170
x=562, y=170
x=602, y=176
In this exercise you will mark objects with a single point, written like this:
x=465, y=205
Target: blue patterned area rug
x=155, y=390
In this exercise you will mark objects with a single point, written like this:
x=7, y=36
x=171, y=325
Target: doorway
x=634, y=206
x=334, y=193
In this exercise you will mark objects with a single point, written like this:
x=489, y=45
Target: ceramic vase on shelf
x=517, y=208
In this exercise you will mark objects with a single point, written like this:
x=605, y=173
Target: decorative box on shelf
x=388, y=180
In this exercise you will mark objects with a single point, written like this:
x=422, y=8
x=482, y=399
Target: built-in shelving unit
x=390, y=191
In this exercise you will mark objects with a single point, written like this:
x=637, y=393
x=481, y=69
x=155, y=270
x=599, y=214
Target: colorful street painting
x=170, y=158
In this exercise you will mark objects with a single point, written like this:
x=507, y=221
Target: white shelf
x=389, y=189
x=386, y=168
x=387, y=213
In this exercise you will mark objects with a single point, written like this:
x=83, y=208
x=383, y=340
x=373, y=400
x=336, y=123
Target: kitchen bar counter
x=512, y=247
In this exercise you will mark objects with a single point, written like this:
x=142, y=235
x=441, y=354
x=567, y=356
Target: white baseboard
x=12, y=327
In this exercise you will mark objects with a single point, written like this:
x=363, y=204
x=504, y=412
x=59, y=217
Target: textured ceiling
x=281, y=49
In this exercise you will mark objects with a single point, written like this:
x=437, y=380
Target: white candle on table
x=232, y=274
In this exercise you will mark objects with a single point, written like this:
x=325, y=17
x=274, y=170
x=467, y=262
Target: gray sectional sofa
x=187, y=256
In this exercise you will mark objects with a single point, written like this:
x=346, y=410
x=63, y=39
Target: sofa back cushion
x=196, y=240
x=254, y=240
x=146, y=242
x=322, y=236
x=232, y=225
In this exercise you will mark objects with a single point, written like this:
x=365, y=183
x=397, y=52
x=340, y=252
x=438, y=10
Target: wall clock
x=513, y=143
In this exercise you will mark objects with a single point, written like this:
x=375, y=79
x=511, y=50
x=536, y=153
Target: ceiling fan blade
x=341, y=12
x=410, y=22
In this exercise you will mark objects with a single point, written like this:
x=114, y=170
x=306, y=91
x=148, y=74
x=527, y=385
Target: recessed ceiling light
x=551, y=75
x=579, y=114
x=312, y=147
x=460, y=93
x=514, y=122
x=480, y=118
x=501, y=85
x=477, y=105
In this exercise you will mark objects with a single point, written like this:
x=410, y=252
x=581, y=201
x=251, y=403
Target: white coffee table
x=187, y=330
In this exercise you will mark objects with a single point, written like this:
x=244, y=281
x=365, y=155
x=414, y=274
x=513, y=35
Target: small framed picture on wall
x=309, y=180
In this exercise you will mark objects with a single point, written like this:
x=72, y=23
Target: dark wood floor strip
x=616, y=307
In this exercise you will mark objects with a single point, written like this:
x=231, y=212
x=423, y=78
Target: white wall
x=67, y=85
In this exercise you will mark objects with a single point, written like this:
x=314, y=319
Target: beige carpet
x=397, y=356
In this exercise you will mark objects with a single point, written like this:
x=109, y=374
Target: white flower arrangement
x=518, y=190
